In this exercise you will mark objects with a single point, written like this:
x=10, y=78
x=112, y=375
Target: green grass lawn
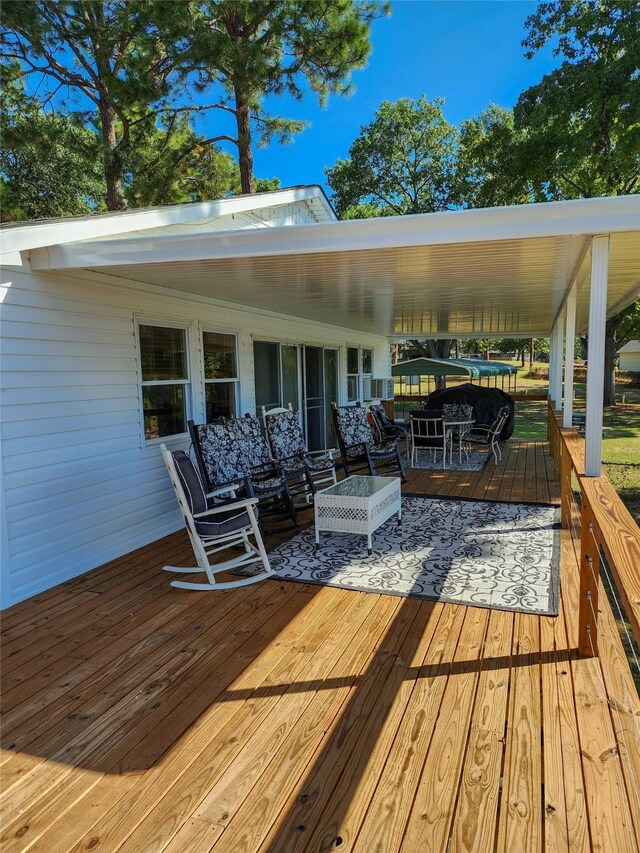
x=620, y=450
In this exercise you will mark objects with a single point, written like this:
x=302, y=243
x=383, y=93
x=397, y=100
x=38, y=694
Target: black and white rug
x=486, y=554
x=475, y=460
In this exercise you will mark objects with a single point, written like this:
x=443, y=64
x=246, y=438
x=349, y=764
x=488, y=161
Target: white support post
x=569, y=357
x=552, y=360
x=595, y=363
x=555, y=369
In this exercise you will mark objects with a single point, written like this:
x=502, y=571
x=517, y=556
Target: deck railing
x=603, y=532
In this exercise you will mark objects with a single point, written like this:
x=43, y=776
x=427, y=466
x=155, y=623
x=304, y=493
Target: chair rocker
x=357, y=448
x=213, y=528
x=308, y=469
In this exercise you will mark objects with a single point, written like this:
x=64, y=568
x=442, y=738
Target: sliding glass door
x=306, y=377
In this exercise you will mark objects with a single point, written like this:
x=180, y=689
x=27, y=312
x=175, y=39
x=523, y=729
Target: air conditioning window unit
x=377, y=389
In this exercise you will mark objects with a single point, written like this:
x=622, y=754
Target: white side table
x=357, y=504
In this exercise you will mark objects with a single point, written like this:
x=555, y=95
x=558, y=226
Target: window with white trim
x=221, y=379
x=353, y=374
x=164, y=365
x=359, y=366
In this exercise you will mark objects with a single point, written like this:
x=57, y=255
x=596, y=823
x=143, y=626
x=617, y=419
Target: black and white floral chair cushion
x=386, y=427
x=357, y=441
x=457, y=412
x=235, y=450
x=288, y=444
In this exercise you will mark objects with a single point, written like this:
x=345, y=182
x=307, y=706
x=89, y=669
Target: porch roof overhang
x=474, y=273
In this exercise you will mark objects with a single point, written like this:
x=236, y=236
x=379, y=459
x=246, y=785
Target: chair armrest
x=328, y=451
x=226, y=507
x=359, y=444
x=267, y=469
x=480, y=428
x=223, y=490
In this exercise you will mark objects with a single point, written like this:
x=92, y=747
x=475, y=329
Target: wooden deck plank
x=608, y=808
x=111, y=741
x=429, y=823
x=556, y=833
x=521, y=825
x=474, y=825
x=154, y=649
x=561, y=734
x=313, y=714
x=624, y=705
x=247, y=823
x=228, y=783
x=333, y=799
x=387, y=814
x=201, y=750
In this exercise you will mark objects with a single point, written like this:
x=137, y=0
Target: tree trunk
x=532, y=346
x=245, y=154
x=610, y=348
x=112, y=162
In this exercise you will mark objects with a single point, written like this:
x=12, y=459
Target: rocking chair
x=213, y=528
x=357, y=447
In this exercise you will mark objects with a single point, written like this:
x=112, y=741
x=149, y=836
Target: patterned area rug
x=475, y=461
x=485, y=554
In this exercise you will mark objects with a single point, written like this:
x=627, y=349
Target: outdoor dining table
x=463, y=425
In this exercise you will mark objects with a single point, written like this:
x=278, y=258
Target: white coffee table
x=357, y=504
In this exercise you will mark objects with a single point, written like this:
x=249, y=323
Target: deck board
x=287, y=717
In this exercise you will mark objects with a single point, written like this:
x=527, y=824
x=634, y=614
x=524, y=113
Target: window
x=367, y=362
x=353, y=372
x=221, y=380
x=165, y=380
x=359, y=365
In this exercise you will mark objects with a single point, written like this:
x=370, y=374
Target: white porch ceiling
x=499, y=272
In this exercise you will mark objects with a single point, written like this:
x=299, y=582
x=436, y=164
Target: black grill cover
x=486, y=403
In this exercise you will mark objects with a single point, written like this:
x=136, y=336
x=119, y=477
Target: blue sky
x=465, y=51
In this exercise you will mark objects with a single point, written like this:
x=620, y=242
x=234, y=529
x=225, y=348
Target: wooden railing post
x=589, y=579
x=565, y=484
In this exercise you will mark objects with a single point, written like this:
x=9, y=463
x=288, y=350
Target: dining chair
x=429, y=431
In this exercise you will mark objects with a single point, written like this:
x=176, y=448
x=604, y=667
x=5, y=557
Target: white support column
x=555, y=369
x=595, y=363
x=569, y=357
x=552, y=360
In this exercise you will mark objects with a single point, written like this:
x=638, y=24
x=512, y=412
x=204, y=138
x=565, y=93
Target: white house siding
x=80, y=485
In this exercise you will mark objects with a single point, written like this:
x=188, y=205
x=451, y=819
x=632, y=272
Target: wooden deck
x=286, y=717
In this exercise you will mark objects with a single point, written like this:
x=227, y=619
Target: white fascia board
x=553, y=219
x=34, y=235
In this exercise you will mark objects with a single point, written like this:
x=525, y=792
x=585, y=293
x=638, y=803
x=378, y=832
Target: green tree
x=48, y=164
x=582, y=121
x=490, y=166
x=173, y=164
x=112, y=57
x=402, y=162
x=253, y=49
